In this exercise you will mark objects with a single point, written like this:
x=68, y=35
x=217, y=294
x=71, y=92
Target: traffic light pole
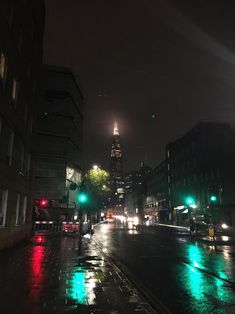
x=80, y=231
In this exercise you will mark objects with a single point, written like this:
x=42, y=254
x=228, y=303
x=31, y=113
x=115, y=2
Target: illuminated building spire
x=116, y=171
x=115, y=130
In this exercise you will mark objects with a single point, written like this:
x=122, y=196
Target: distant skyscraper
x=116, y=170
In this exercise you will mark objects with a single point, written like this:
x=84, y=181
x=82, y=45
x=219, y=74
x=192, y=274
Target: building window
x=31, y=125
x=29, y=71
x=0, y=125
x=24, y=210
x=25, y=113
x=10, y=147
x=19, y=42
x=3, y=67
x=212, y=175
x=3, y=206
x=17, y=208
x=32, y=30
x=10, y=15
x=15, y=88
x=34, y=87
x=28, y=164
x=22, y=159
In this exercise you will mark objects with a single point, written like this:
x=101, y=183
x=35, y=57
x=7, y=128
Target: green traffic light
x=190, y=201
x=213, y=198
x=82, y=198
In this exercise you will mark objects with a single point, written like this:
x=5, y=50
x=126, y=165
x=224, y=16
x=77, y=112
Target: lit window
x=15, y=87
x=3, y=67
x=10, y=147
x=24, y=209
x=17, y=208
x=3, y=206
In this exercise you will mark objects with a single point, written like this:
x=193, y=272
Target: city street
x=188, y=277
x=46, y=275
x=167, y=271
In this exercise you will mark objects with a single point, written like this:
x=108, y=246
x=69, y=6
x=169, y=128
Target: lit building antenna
x=115, y=130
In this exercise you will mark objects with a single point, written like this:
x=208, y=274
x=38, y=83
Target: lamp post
x=82, y=199
x=213, y=200
x=190, y=202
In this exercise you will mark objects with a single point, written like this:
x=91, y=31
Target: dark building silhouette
x=156, y=199
x=116, y=171
x=136, y=190
x=21, y=42
x=58, y=145
x=201, y=165
x=198, y=167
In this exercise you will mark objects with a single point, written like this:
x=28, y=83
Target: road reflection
x=199, y=277
x=37, y=274
x=205, y=279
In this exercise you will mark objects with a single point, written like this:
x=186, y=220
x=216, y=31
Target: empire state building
x=116, y=170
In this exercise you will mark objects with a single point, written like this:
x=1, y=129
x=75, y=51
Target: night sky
x=135, y=59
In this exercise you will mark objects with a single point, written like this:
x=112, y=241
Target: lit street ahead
x=188, y=277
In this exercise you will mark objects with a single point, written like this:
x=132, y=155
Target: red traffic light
x=43, y=203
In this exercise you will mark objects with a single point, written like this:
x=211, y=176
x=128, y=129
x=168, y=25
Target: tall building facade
x=21, y=42
x=58, y=146
x=116, y=171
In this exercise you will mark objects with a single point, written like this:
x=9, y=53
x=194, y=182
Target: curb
x=152, y=301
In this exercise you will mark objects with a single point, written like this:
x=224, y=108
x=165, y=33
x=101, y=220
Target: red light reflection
x=37, y=269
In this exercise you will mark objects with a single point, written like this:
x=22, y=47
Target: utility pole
x=82, y=198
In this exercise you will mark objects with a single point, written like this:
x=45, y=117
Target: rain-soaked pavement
x=188, y=276
x=46, y=275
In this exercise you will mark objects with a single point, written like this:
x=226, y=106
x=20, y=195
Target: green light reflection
x=76, y=287
x=204, y=288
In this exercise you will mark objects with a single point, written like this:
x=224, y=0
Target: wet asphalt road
x=187, y=276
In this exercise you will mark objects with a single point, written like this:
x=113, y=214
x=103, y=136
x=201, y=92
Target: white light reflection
x=226, y=255
x=132, y=231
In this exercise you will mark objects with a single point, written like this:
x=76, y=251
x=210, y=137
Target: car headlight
x=224, y=226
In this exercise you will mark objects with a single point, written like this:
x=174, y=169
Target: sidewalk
x=105, y=287
x=48, y=276
x=219, y=239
